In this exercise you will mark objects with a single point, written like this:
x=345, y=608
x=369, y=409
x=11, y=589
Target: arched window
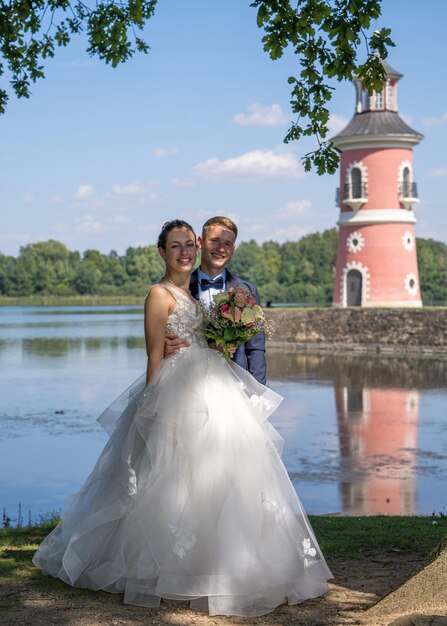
x=378, y=100
x=356, y=183
x=389, y=97
x=406, y=182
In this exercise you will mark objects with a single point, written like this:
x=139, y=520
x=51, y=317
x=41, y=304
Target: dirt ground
x=357, y=586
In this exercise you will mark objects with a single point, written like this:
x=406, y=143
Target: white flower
x=278, y=512
x=132, y=481
x=355, y=242
x=260, y=402
x=408, y=241
x=308, y=547
x=185, y=535
x=411, y=284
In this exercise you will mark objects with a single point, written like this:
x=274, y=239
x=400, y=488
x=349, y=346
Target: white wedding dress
x=189, y=499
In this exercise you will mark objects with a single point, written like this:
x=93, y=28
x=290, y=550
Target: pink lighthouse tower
x=376, y=256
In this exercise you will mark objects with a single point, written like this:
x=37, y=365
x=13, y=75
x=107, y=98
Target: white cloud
x=408, y=119
x=439, y=173
x=259, y=115
x=254, y=165
x=291, y=221
x=431, y=122
x=87, y=226
x=133, y=192
x=28, y=198
x=336, y=124
x=84, y=192
x=289, y=233
x=293, y=210
x=183, y=182
x=133, y=189
x=14, y=238
x=161, y=153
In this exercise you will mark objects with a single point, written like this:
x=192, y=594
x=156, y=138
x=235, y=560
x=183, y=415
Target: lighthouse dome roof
x=377, y=123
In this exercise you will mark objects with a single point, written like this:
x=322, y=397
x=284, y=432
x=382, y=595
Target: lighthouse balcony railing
x=353, y=195
x=408, y=194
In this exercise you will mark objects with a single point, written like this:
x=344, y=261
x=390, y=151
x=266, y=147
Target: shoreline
x=357, y=349
x=394, y=332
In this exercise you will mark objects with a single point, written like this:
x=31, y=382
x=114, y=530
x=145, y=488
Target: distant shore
x=421, y=331
x=87, y=300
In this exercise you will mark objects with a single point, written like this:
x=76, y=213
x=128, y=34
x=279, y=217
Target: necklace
x=171, y=282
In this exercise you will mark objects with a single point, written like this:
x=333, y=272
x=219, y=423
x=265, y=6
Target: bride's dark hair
x=166, y=229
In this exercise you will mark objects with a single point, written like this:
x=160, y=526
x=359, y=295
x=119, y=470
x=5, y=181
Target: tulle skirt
x=189, y=499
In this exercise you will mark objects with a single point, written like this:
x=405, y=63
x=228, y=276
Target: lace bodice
x=186, y=319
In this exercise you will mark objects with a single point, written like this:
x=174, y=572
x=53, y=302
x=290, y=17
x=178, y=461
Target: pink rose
x=240, y=296
x=251, y=300
x=225, y=309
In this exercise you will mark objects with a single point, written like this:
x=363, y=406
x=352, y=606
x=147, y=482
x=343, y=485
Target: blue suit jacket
x=249, y=355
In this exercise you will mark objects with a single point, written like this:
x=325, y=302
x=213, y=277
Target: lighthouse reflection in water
x=378, y=442
x=372, y=438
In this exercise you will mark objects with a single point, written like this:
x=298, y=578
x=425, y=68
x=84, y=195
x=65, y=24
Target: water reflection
x=378, y=442
x=363, y=433
x=377, y=407
x=50, y=347
x=359, y=370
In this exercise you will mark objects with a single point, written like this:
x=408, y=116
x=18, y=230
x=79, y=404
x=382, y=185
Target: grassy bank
x=339, y=537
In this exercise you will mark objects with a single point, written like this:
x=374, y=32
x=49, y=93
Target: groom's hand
x=173, y=344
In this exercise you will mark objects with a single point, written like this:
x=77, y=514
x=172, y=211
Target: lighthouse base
x=408, y=304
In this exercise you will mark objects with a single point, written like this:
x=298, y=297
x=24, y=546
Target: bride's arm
x=159, y=303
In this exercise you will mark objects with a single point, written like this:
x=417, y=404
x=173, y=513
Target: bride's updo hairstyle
x=166, y=229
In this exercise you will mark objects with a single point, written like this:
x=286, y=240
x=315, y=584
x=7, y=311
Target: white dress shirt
x=207, y=296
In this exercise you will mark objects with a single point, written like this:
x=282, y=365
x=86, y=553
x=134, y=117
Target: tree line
x=295, y=271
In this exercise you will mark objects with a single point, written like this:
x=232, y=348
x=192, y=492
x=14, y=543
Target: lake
x=363, y=434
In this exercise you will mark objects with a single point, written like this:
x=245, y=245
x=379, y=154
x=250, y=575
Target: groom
x=217, y=244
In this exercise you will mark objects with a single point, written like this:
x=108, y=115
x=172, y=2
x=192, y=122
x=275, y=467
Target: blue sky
x=101, y=157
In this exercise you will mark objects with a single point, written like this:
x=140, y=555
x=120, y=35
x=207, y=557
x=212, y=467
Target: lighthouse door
x=354, y=288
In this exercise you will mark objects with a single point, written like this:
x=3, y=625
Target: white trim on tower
x=376, y=216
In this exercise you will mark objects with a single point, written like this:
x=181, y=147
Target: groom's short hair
x=219, y=220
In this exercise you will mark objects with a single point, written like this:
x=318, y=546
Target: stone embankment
x=417, y=331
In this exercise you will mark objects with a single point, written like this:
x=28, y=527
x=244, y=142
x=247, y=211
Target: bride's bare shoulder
x=159, y=292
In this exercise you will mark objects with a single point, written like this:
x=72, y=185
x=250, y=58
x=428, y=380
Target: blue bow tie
x=206, y=283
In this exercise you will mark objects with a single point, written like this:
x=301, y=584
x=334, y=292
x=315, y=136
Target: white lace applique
x=308, y=551
x=132, y=479
x=185, y=535
x=274, y=508
x=185, y=322
x=261, y=403
x=175, y=357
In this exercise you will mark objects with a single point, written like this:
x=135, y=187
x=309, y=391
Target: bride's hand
x=173, y=344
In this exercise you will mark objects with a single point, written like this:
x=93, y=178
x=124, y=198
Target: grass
x=361, y=537
x=339, y=538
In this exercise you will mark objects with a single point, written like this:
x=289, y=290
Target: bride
x=189, y=499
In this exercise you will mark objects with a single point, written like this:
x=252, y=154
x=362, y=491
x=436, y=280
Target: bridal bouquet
x=234, y=318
